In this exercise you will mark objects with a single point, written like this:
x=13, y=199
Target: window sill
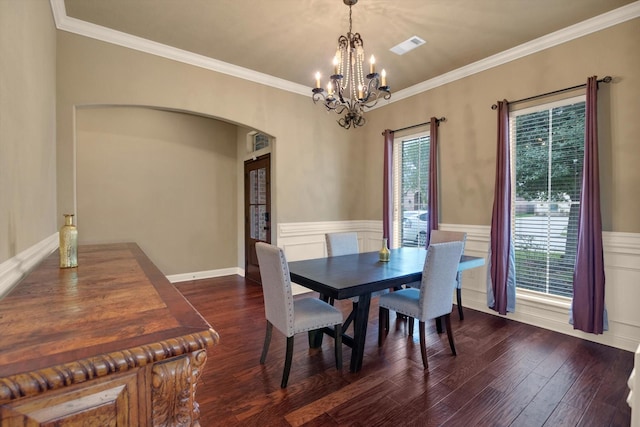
x=558, y=303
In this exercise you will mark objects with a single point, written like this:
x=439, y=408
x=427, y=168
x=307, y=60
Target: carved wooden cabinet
x=109, y=343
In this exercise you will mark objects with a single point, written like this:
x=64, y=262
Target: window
x=260, y=141
x=410, y=190
x=547, y=144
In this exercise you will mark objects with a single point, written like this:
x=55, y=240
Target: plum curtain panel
x=387, y=187
x=501, y=280
x=433, y=178
x=588, y=308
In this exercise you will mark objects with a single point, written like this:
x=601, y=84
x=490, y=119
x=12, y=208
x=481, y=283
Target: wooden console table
x=109, y=343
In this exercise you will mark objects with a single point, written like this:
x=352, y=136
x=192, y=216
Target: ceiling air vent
x=407, y=45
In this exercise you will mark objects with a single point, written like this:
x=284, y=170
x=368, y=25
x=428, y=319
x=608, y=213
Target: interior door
x=257, y=211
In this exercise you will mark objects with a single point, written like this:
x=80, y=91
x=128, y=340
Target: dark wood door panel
x=257, y=211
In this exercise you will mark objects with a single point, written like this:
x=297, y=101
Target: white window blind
x=410, y=190
x=547, y=144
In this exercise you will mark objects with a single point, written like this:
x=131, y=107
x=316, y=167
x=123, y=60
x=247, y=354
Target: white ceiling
x=284, y=42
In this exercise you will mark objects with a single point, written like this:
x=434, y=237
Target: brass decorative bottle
x=384, y=253
x=68, y=243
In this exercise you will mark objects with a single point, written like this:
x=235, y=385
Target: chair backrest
x=342, y=243
x=276, y=287
x=440, y=236
x=438, y=279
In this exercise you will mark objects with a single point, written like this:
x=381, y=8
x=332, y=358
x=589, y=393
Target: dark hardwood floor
x=506, y=373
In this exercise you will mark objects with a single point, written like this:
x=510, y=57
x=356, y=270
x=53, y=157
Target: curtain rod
x=441, y=119
x=607, y=79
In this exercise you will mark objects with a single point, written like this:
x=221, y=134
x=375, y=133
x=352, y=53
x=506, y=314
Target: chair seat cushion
x=313, y=313
x=405, y=301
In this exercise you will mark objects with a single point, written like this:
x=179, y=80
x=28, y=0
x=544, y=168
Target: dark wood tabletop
x=359, y=275
x=347, y=276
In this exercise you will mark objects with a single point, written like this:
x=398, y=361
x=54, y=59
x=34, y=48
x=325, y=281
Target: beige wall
x=165, y=180
x=321, y=172
x=92, y=72
x=318, y=176
x=468, y=138
x=27, y=125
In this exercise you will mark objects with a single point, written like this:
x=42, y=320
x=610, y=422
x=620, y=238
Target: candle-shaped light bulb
x=329, y=88
x=372, y=64
x=318, y=79
x=360, y=94
x=384, y=77
x=335, y=64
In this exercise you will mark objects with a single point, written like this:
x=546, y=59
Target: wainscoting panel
x=302, y=241
x=306, y=241
x=622, y=295
x=622, y=270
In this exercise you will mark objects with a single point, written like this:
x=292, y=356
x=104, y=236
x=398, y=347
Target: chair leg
x=267, y=341
x=410, y=321
x=351, y=316
x=383, y=324
x=287, y=362
x=447, y=323
x=338, y=346
x=423, y=345
x=459, y=301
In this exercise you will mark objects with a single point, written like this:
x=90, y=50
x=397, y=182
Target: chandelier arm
x=340, y=108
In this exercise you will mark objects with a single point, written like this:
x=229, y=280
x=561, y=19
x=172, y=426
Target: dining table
x=359, y=275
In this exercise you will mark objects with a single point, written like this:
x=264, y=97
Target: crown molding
x=597, y=23
x=83, y=28
x=580, y=29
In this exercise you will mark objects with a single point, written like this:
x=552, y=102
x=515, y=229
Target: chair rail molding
x=306, y=240
x=15, y=268
x=622, y=269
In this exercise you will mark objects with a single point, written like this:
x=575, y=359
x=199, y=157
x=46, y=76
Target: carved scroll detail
x=173, y=390
x=55, y=377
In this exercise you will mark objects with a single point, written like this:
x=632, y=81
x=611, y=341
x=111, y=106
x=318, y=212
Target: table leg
x=439, y=324
x=315, y=339
x=459, y=295
x=360, y=332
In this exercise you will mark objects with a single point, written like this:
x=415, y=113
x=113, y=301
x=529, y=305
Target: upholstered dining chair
x=441, y=236
x=346, y=243
x=342, y=243
x=291, y=316
x=432, y=300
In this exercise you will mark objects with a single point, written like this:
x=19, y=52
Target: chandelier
x=349, y=92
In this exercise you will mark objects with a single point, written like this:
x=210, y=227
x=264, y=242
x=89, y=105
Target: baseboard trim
x=209, y=274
